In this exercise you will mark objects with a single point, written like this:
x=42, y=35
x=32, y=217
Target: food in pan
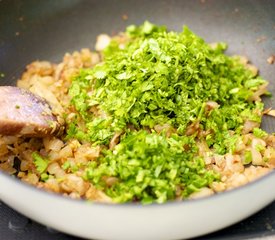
x=149, y=116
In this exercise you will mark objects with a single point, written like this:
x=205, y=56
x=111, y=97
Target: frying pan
x=44, y=30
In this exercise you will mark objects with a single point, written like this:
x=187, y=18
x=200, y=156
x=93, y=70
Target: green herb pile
x=160, y=78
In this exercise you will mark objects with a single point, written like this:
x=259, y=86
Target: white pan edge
x=175, y=220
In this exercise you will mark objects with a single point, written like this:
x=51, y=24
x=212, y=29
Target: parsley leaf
x=40, y=163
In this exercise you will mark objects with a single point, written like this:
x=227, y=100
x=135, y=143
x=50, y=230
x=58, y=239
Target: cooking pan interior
x=44, y=30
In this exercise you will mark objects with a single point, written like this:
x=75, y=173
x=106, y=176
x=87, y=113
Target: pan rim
x=170, y=203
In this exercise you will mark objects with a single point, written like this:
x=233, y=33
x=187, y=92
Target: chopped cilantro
x=72, y=167
x=160, y=77
x=40, y=163
x=152, y=166
x=44, y=177
x=247, y=157
x=259, y=133
x=66, y=165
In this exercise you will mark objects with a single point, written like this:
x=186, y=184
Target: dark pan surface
x=44, y=30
